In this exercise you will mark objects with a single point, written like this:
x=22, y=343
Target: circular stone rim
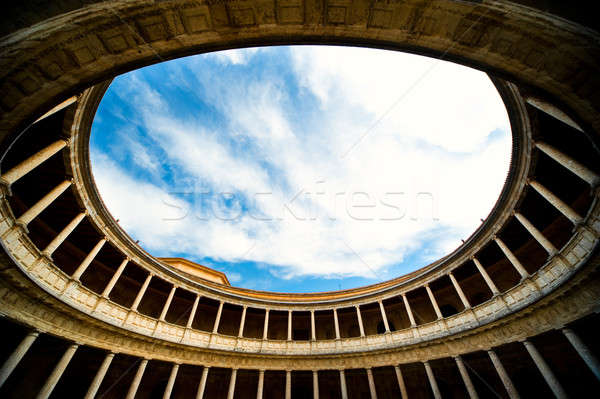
x=502, y=209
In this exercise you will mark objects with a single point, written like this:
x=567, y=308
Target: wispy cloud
x=247, y=144
x=234, y=57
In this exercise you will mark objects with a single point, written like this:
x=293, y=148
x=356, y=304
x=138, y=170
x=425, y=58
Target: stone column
x=16, y=356
x=512, y=258
x=32, y=162
x=62, y=236
x=486, y=277
x=553, y=111
x=288, y=384
x=261, y=384
x=289, y=334
x=57, y=372
x=409, y=311
x=343, y=385
x=202, y=384
x=506, y=381
x=466, y=378
x=556, y=202
x=438, y=313
x=336, y=323
x=167, y=304
x=432, y=381
x=141, y=293
x=43, y=203
x=577, y=168
x=266, y=326
x=539, y=237
x=193, y=312
x=218, y=318
x=459, y=291
x=581, y=348
x=360, y=322
x=313, y=328
x=99, y=377
x=115, y=278
x=549, y=376
x=88, y=259
x=171, y=382
x=232, y=384
x=401, y=384
x=59, y=107
x=384, y=317
x=242, y=322
x=315, y=384
x=137, y=379
x=371, y=384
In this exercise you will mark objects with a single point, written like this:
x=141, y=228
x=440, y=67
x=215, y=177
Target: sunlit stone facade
x=87, y=313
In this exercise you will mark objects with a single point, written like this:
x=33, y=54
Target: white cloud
x=440, y=102
x=429, y=160
x=236, y=56
x=234, y=277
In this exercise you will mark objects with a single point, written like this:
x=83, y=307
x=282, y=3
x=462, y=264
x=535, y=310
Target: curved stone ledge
x=57, y=57
x=503, y=210
x=550, y=276
x=572, y=300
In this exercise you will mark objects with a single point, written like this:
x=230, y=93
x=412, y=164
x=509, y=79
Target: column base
x=47, y=256
x=5, y=188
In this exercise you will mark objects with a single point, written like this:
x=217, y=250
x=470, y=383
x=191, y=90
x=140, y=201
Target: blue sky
x=303, y=168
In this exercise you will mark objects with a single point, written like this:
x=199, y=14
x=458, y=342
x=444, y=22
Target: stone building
x=87, y=313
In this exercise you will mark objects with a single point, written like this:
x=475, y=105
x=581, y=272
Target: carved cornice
x=46, y=63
